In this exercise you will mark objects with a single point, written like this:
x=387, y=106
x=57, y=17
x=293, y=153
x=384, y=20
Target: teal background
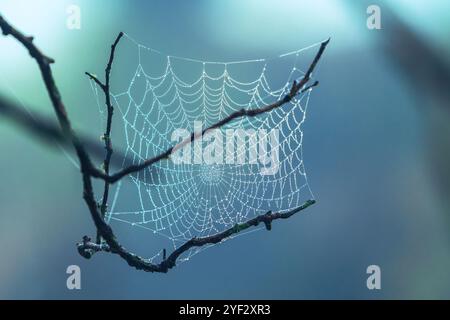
x=375, y=150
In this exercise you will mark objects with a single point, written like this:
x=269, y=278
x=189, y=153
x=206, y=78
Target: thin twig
x=107, y=135
x=94, y=77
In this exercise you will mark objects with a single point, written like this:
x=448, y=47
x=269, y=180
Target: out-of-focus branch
x=37, y=125
x=50, y=132
x=425, y=65
x=87, y=248
x=427, y=69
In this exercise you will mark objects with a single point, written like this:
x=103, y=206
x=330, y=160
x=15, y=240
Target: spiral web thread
x=181, y=201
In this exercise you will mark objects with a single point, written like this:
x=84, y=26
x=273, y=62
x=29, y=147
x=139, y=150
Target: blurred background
x=377, y=149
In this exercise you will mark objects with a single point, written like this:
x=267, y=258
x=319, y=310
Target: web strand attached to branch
x=183, y=202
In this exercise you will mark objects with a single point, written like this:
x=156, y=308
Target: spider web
x=179, y=201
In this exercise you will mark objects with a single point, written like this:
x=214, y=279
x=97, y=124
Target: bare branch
x=44, y=65
x=107, y=135
x=297, y=88
x=88, y=248
x=60, y=110
x=98, y=82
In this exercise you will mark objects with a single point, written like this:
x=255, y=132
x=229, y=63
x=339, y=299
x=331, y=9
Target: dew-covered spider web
x=163, y=93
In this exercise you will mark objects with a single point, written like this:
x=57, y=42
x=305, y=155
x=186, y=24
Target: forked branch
x=107, y=135
x=87, y=248
x=297, y=88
